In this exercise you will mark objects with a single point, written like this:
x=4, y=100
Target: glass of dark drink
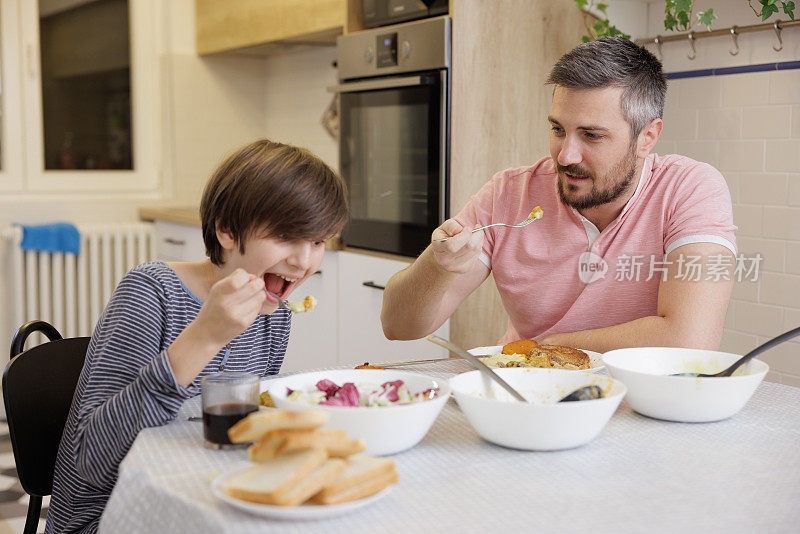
x=227, y=398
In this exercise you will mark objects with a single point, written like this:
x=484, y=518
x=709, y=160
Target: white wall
x=748, y=126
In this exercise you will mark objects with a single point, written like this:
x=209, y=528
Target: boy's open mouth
x=279, y=284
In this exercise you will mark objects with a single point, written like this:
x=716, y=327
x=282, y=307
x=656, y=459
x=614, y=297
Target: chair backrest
x=38, y=386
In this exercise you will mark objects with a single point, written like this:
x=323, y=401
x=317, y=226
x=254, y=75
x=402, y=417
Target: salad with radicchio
x=327, y=393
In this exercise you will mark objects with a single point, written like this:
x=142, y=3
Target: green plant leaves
x=788, y=8
x=706, y=18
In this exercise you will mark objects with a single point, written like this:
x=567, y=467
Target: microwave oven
x=385, y=12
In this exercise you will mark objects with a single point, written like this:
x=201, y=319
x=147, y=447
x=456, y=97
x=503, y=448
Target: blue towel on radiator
x=55, y=237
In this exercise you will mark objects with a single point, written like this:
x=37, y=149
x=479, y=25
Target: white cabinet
x=178, y=242
x=361, y=338
x=314, y=337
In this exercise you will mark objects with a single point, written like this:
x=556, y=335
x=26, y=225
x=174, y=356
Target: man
x=592, y=272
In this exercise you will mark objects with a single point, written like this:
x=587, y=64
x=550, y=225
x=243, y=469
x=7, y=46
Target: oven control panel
x=386, y=46
x=408, y=47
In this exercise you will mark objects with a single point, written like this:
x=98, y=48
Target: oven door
x=393, y=156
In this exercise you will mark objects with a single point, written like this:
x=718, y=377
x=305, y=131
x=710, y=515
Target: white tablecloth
x=639, y=474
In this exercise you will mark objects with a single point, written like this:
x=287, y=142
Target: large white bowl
x=685, y=399
x=385, y=429
x=544, y=424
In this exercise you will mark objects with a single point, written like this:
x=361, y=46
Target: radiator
x=71, y=291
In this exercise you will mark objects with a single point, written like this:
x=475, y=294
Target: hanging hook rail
x=657, y=41
x=735, y=37
x=777, y=27
x=691, y=42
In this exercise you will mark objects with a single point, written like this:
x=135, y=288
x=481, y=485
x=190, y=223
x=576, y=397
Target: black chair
x=38, y=386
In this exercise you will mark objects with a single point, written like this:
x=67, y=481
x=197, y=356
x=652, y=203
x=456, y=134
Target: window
x=90, y=95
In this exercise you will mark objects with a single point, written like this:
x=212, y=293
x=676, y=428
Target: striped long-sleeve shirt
x=127, y=384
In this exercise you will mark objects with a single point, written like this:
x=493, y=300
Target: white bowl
x=685, y=399
x=385, y=429
x=544, y=424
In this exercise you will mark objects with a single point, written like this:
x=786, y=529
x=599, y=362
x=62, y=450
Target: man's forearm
x=652, y=331
x=412, y=301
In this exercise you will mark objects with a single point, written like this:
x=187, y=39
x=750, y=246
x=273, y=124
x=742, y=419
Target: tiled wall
x=748, y=127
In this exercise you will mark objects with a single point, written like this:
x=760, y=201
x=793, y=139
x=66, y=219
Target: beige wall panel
x=502, y=52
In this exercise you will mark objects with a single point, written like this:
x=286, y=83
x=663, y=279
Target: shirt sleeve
x=701, y=210
x=128, y=384
x=479, y=210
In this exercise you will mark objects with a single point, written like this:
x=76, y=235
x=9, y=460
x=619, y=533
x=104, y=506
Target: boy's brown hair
x=270, y=189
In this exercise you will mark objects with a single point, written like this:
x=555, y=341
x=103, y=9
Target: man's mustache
x=574, y=170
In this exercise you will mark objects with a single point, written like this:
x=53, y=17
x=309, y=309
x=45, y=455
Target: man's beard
x=596, y=197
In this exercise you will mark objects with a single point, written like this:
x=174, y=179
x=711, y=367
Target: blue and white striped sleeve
x=129, y=383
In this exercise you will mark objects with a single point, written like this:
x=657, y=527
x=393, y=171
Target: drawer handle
x=373, y=285
x=171, y=241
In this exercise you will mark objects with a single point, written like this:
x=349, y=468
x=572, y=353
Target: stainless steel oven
x=394, y=109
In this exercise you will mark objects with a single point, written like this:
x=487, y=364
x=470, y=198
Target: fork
x=535, y=214
x=281, y=302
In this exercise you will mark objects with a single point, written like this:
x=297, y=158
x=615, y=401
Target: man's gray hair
x=616, y=62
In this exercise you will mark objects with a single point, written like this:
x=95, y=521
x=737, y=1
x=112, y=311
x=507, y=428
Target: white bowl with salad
x=390, y=410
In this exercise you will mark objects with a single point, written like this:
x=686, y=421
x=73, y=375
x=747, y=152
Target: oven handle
x=387, y=83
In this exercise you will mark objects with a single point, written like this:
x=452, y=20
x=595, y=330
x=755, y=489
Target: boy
x=265, y=215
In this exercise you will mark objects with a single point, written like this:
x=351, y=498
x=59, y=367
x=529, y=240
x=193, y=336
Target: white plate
x=301, y=512
x=595, y=358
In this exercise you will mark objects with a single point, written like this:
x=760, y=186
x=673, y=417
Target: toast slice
x=272, y=481
x=359, y=491
x=281, y=441
x=256, y=424
x=313, y=482
x=360, y=468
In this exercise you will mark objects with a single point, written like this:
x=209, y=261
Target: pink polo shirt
x=543, y=284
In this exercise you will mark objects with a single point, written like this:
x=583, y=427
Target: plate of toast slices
x=529, y=353
x=297, y=471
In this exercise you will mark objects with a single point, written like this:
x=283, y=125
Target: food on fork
x=300, y=306
x=537, y=213
x=521, y=346
x=297, y=465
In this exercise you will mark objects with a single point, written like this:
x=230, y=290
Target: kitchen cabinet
x=314, y=339
x=251, y=26
x=178, y=242
x=361, y=279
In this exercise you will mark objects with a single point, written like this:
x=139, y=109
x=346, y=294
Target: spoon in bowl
x=479, y=365
x=747, y=357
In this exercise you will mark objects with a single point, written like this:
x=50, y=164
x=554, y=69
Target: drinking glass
x=227, y=398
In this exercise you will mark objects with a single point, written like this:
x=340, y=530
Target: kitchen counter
x=188, y=215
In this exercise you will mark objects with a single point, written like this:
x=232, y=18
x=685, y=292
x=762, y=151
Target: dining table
x=639, y=474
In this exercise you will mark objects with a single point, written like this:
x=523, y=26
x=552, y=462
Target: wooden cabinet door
x=360, y=298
